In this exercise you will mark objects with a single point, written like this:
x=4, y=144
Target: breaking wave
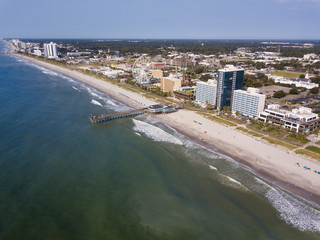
x=76, y=89
x=111, y=103
x=50, y=73
x=293, y=211
x=213, y=168
x=234, y=181
x=96, y=102
x=155, y=133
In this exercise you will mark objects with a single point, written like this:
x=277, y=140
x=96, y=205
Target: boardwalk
x=112, y=116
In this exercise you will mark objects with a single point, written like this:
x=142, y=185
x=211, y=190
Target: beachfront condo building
x=229, y=80
x=249, y=103
x=299, y=119
x=50, y=50
x=206, y=92
x=168, y=84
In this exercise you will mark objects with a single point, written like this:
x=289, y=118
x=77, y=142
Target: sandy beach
x=275, y=164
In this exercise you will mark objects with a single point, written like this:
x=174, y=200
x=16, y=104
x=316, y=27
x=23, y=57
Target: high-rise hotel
x=206, y=92
x=229, y=80
x=50, y=50
x=249, y=102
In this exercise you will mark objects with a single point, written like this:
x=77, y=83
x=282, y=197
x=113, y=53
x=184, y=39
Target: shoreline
x=296, y=190
x=260, y=157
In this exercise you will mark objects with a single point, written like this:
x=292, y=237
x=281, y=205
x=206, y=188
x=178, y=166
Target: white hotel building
x=50, y=50
x=206, y=92
x=249, y=102
x=298, y=120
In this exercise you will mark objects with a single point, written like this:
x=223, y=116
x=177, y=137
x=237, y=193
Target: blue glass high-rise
x=229, y=79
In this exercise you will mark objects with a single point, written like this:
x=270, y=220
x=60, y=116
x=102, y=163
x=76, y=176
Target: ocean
x=63, y=178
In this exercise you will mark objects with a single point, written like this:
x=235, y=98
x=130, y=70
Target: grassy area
x=218, y=119
x=295, y=137
x=313, y=149
x=318, y=142
x=308, y=153
x=275, y=130
x=286, y=74
x=279, y=143
x=250, y=132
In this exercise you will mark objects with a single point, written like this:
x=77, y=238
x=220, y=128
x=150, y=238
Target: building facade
x=206, y=92
x=50, y=50
x=298, y=120
x=229, y=80
x=168, y=84
x=249, y=102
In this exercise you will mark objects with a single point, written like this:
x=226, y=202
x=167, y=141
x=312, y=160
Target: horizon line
x=194, y=39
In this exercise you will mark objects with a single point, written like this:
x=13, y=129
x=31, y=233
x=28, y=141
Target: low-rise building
x=186, y=93
x=37, y=52
x=298, y=120
x=160, y=108
x=250, y=102
x=298, y=82
x=310, y=56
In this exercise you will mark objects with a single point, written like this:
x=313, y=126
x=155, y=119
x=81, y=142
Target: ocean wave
x=96, y=102
x=293, y=211
x=155, y=133
x=67, y=78
x=233, y=180
x=76, y=88
x=111, y=103
x=212, y=167
x=138, y=134
x=50, y=73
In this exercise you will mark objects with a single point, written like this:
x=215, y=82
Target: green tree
x=302, y=76
x=209, y=106
x=227, y=108
x=205, y=77
x=294, y=91
x=279, y=94
x=314, y=90
x=199, y=70
x=316, y=80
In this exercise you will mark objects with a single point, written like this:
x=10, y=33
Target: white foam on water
x=111, y=103
x=76, y=89
x=233, y=180
x=96, y=102
x=67, y=78
x=293, y=211
x=155, y=133
x=92, y=93
x=50, y=73
x=212, y=167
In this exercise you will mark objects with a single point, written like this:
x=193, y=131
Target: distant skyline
x=142, y=19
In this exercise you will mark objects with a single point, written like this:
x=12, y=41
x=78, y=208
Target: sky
x=161, y=19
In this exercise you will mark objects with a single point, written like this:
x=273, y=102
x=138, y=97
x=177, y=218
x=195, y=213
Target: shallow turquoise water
x=61, y=178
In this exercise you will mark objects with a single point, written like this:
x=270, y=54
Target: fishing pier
x=153, y=109
x=112, y=116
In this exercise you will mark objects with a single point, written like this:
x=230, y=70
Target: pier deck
x=112, y=116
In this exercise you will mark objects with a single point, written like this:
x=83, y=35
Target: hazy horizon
x=141, y=19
